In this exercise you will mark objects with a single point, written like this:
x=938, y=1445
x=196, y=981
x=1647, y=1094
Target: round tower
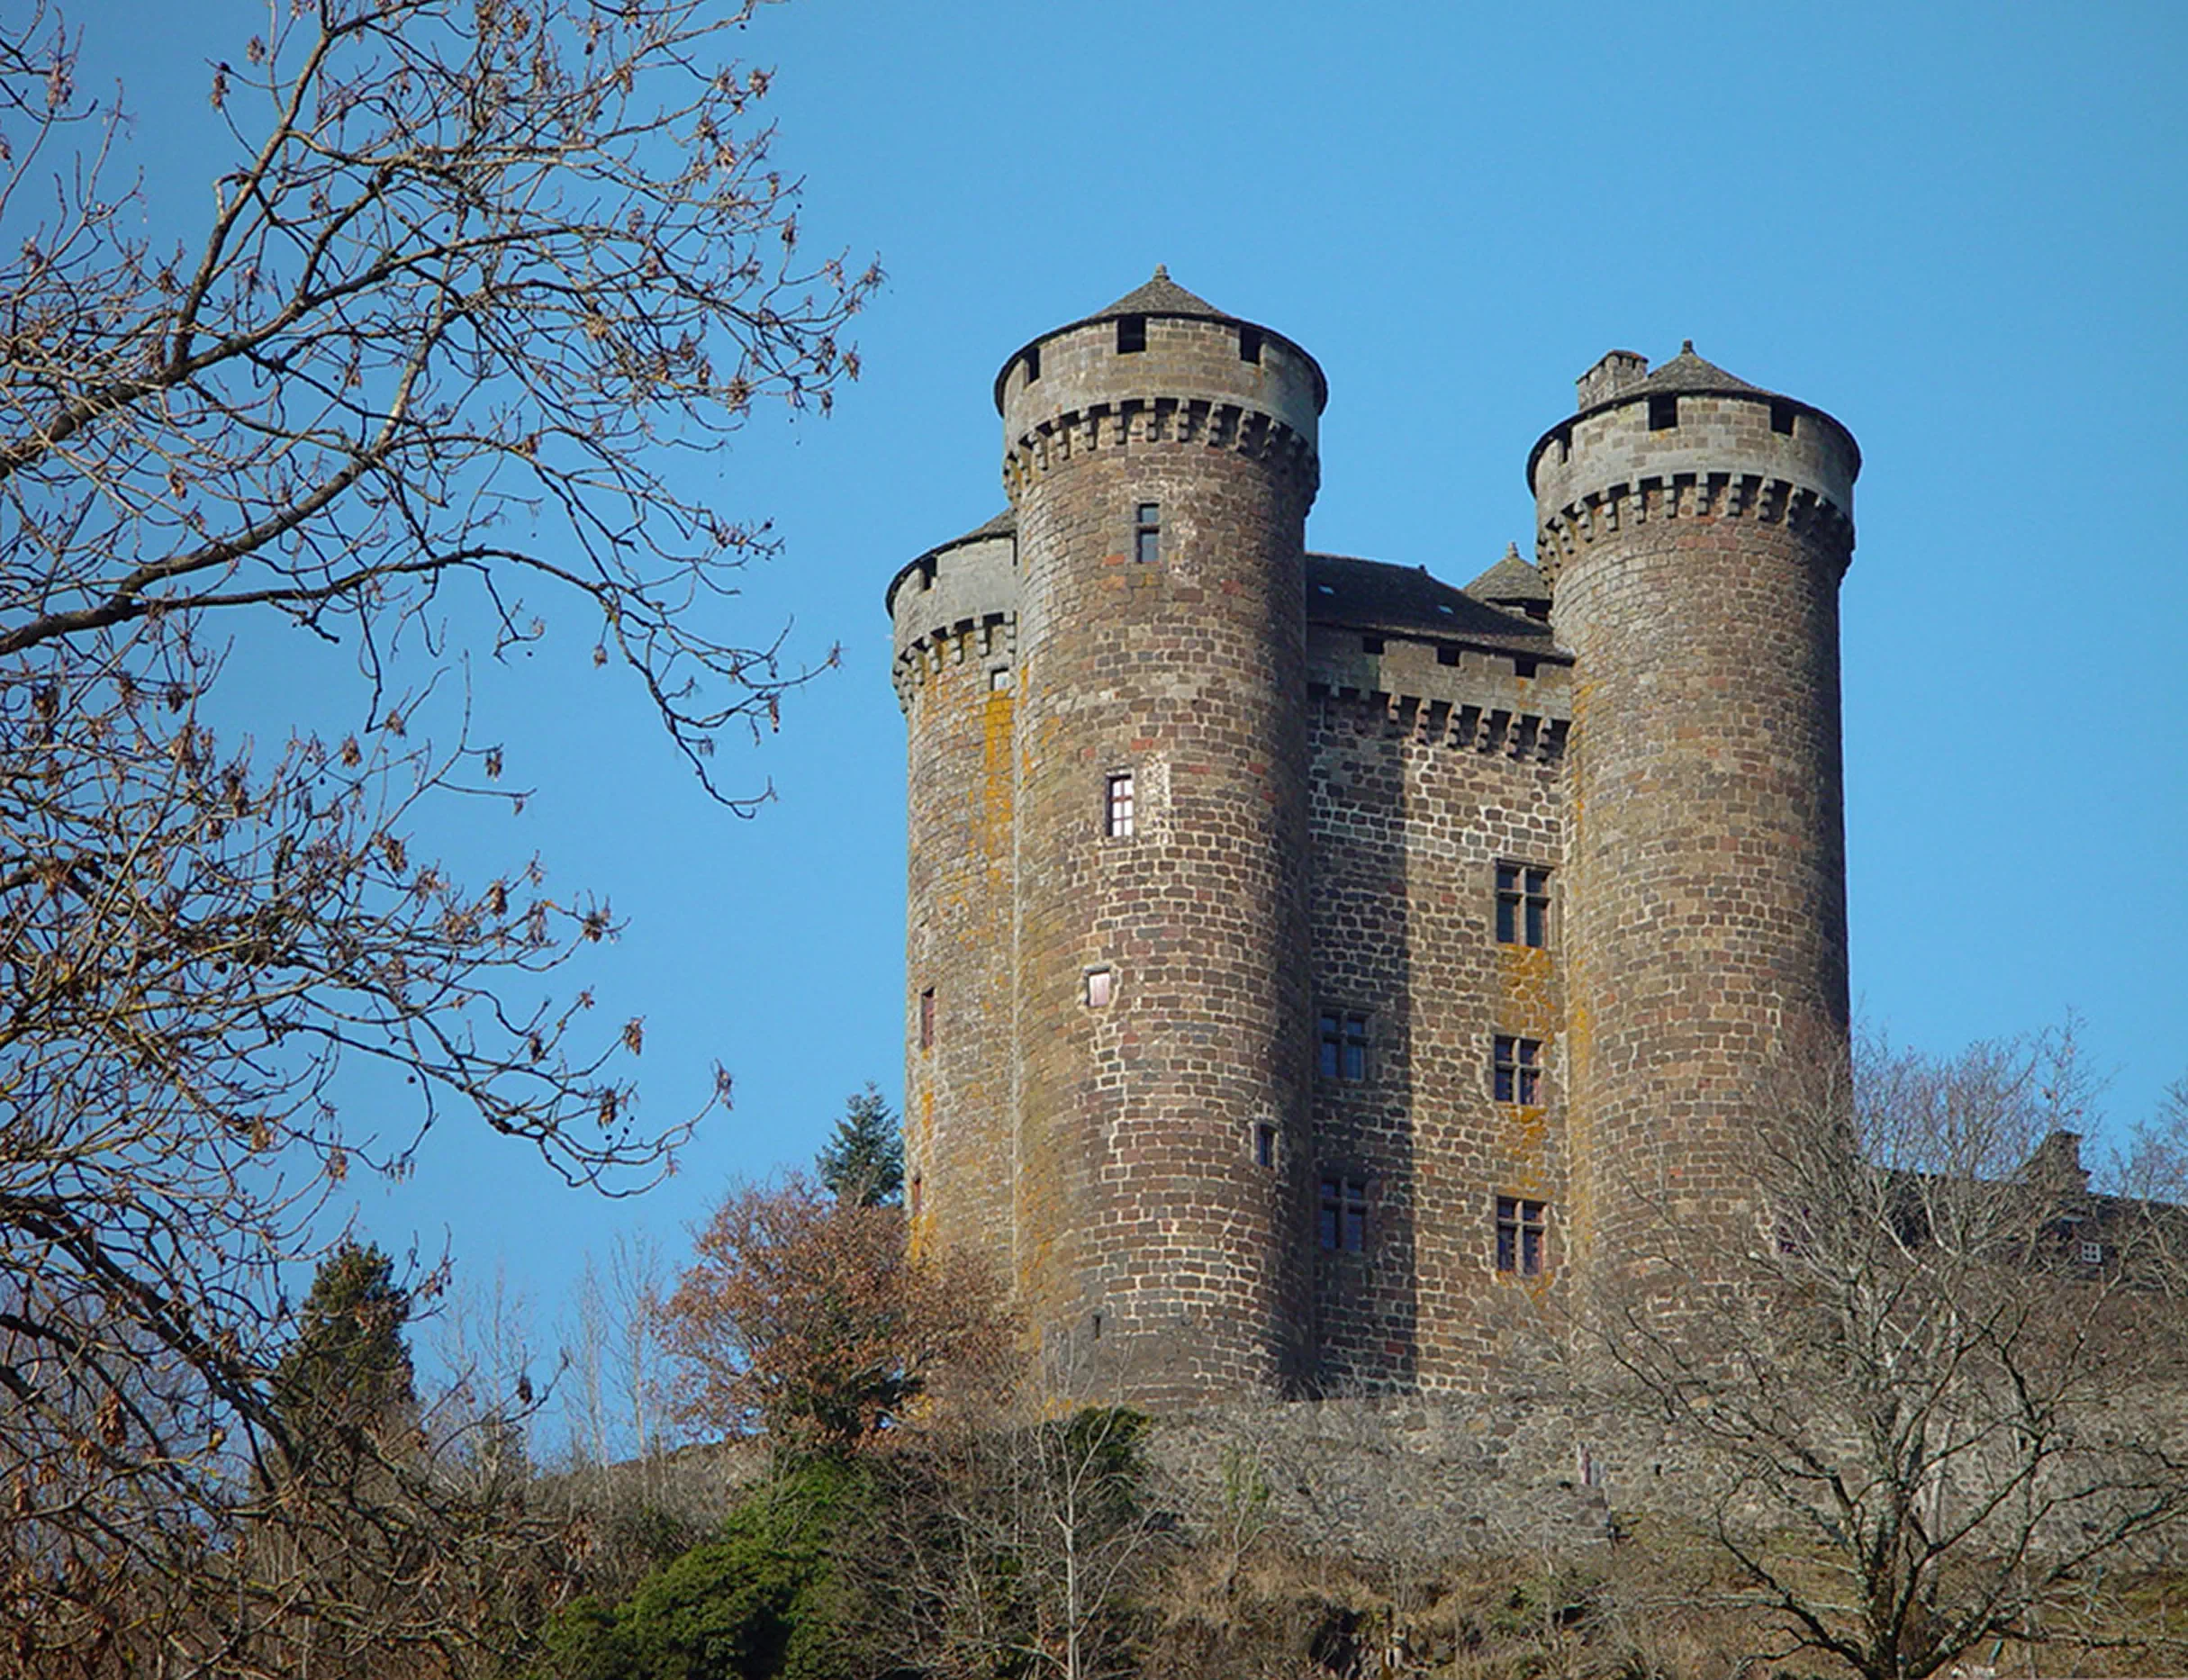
x=1695, y=529
x=954, y=612
x=1161, y=459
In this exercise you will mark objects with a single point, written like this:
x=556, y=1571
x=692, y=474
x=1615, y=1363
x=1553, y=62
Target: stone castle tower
x=1309, y=961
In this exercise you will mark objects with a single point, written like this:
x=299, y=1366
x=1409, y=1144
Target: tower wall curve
x=1697, y=537
x=955, y=613
x=1160, y=481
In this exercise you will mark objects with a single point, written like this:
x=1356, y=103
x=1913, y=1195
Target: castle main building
x=1310, y=961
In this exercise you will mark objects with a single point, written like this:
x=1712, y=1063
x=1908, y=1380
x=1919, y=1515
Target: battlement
x=1053, y=441
x=954, y=603
x=1689, y=421
x=1564, y=531
x=1464, y=727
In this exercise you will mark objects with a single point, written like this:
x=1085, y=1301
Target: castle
x=1310, y=964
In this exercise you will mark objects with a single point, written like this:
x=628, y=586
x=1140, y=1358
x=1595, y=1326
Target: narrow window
x=1521, y=1226
x=1250, y=344
x=1344, y=1213
x=1131, y=334
x=1516, y=1071
x=1032, y=364
x=998, y=678
x=915, y=1188
x=927, y=1019
x=1781, y=418
x=1663, y=413
x=1343, y=1045
x=1147, y=532
x=1119, y=806
x=1101, y=986
x=1522, y=905
x=1264, y=1144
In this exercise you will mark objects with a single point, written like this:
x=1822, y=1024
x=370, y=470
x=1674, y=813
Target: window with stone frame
x=1523, y=1229
x=927, y=1019
x=1341, y=1050
x=1119, y=805
x=1515, y=1070
x=1343, y=1219
x=1147, y=532
x=1522, y=905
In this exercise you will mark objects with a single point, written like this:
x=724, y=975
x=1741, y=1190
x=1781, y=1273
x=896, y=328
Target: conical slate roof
x=1001, y=525
x=1688, y=372
x=1510, y=579
x=1162, y=296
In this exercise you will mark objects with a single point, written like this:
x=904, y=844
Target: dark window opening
x=1147, y=532
x=1032, y=364
x=1565, y=444
x=1250, y=344
x=1131, y=334
x=1781, y=418
x=1264, y=1144
x=1097, y=1326
x=1522, y=668
x=1521, y=1227
x=1522, y=905
x=1663, y=413
x=1120, y=805
x=1343, y=1051
x=1516, y=1071
x=1344, y=1213
x=917, y=1185
x=1447, y=655
x=1371, y=644
x=927, y=1019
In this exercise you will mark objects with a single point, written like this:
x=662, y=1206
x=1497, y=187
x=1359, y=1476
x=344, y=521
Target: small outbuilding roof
x=1510, y=579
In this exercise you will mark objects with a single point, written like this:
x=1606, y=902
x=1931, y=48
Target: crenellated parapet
x=1491, y=730
x=1563, y=532
x=1115, y=425
x=955, y=605
x=1688, y=441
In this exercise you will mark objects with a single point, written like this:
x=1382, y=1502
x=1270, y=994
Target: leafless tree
x=1940, y=1401
x=471, y=273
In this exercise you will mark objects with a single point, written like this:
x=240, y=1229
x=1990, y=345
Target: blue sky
x=1963, y=230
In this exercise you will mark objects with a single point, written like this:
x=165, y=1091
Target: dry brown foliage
x=811, y=1319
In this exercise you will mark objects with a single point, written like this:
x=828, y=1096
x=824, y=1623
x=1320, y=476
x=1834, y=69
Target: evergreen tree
x=863, y=1165
x=348, y=1368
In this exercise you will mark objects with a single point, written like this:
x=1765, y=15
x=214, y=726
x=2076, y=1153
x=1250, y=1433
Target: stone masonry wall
x=1409, y=816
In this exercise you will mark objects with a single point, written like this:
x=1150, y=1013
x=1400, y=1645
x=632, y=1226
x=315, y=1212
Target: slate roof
x=1162, y=296
x=1373, y=595
x=1689, y=373
x=1510, y=579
